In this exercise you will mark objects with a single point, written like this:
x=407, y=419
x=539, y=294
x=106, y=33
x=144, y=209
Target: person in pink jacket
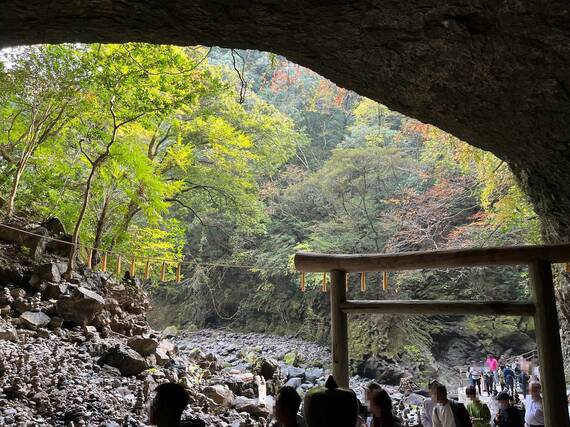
x=493, y=364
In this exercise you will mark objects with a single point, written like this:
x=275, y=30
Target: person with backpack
x=449, y=413
x=509, y=375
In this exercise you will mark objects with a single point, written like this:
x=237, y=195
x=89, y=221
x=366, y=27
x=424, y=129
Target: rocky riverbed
x=80, y=352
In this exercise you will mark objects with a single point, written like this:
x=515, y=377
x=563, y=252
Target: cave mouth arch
x=493, y=74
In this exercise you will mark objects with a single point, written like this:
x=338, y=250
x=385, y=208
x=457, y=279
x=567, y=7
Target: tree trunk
x=100, y=227
x=16, y=182
x=86, y=195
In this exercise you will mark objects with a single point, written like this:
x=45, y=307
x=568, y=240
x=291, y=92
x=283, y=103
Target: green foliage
x=182, y=152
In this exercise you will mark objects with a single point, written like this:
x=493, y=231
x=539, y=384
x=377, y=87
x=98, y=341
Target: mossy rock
x=291, y=358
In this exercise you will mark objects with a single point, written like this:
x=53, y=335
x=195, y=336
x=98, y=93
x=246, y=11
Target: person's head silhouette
x=168, y=405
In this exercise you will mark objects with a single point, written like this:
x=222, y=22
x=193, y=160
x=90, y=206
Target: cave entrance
x=542, y=306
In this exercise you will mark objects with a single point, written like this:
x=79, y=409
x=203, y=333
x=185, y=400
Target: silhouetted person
x=508, y=415
x=449, y=413
x=168, y=404
x=381, y=408
x=287, y=404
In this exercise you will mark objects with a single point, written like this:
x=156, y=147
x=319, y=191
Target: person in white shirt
x=429, y=404
x=534, y=416
x=475, y=375
x=449, y=413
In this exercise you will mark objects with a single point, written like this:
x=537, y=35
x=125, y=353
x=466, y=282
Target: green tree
x=39, y=89
x=129, y=86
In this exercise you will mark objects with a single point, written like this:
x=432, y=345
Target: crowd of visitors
x=498, y=377
x=438, y=410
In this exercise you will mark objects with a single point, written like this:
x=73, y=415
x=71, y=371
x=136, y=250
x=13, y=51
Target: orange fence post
x=302, y=282
x=363, y=281
x=385, y=281
x=147, y=269
x=178, y=269
x=324, y=286
x=104, y=262
x=162, y=271
x=132, y=269
x=119, y=265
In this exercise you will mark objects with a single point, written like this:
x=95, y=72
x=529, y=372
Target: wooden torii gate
x=542, y=305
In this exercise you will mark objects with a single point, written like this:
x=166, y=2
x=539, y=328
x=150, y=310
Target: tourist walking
x=475, y=376
x=429, y=404
x=509, y=375
x=489, y=380
x=381, y=408
x=478, y=411
x=508, y=415
x=449, y=413
x=493, y=364
x=534, y=415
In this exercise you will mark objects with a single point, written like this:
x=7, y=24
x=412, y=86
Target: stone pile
x=80, y=352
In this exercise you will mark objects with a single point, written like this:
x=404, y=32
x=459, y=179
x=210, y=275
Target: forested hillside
x=233, y=161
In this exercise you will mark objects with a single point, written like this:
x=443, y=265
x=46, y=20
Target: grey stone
x=143, y=346
x=250, y=406
x=294, y=372
x=81, y=307
x=34, y=319
x=54, y=290
x=8, y=332
x=45, y=273
x=220, y=394
x=294, y=382
x=127, y=361
x=313, y=374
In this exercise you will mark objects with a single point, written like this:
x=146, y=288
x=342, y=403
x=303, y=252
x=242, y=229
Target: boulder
x=170, y=331
x=313, y=374
x=22, y=305
x=294, y=372
x=55, y=322
x=36, y=243
x=81, y=307
x=54, y=226
x=5, y=310
x=127, y=361
x=220, y=394
x=266, y=367
x=45, y=273
x=161, y=357
x=54, y=290
x=17, y=293
x=143, y=346
x=6, y=297
x=34, y=319
x=8, y=332
x=294, y=382
x=168, y=347
x=250, y=406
